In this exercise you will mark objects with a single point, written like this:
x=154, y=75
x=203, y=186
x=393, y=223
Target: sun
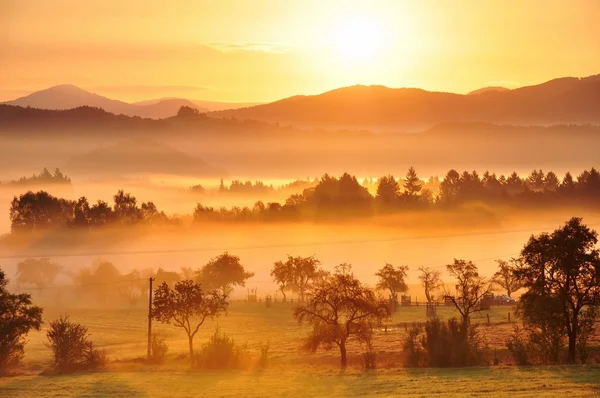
x=358, y=38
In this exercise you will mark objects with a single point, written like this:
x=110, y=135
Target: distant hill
x=564, y=100
x=488, y=90
x=141, y=156
x=64, y=97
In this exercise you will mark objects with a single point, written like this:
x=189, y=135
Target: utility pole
x=150, y=316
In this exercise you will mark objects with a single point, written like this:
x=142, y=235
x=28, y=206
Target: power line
x=274, y=246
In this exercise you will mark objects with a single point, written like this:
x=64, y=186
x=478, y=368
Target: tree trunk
x=573, y=340
x=343, y=357
x=191, y=343
x=284, y=296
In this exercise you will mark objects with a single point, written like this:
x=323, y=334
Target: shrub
x=369, y=358
x=158, y=350
x=517, y=345
x=263, y=359
x=449, y=344
x=71, y=347
x=411, y=348
x=220, y=352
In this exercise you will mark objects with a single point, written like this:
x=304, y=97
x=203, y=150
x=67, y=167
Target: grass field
x=122, y=332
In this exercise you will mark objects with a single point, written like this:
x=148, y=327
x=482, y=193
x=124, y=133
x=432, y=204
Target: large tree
x=505, y=276
x=388, y=191
x=282, y=274
x=223, y=272
x=18, y=316
x=412, y=184
x=562, y=268
x=187, y=306
x=470, y=288
x=339, y=308
x=392, y=278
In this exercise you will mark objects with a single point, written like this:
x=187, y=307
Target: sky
x=264, y=50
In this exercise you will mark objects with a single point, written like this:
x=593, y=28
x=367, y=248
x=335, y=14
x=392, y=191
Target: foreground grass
x=571, y=381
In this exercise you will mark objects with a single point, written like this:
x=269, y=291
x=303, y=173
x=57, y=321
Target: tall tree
x=412, y=183
x=505, y=276
x=470, y=288
x=18, y=316
x=283, y=275
x=392, y=278
x=187, y=306
x=563, y=268
x=340, y=307
x=304, y=272
x=125, y=209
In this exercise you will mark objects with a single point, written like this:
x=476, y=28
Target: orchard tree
x=223, y=272
x=392, y=278
x=431, y=282
x=17, y=317
x=561, y=272
x=505, y=276
x=339, y=308
x=187, y=306
x=470, y=288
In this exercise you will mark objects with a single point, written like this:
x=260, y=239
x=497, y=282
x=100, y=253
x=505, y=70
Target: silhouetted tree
x=125, y=209
x=412, y=184
x=431, y=282
x=388, y=191
x=302, y=273
x=505, y=276
x=187, y=306
x=392, y=278
x=339, y=308
x=470, y=289
x=283, y=275
x=562, y=271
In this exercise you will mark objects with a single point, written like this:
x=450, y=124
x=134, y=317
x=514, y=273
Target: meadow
x=290, y=372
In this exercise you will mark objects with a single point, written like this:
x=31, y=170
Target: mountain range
x=562, y=100
x=67, y=96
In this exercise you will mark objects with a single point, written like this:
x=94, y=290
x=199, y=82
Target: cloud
x=256, y=46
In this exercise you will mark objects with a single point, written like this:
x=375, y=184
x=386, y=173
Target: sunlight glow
x=359, y=38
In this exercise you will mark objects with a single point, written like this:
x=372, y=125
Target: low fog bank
x=430, y=239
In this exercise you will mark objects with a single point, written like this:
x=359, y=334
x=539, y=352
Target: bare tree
x=340, y=307
x=505, y=276
x=470, y=288
x=392, y=278
x=431, y=282
x=187, y=306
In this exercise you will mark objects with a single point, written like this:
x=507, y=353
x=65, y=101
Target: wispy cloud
x=256, y=46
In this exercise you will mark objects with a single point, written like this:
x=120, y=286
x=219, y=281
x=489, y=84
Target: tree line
x=559, y=273
x=330, y=197
x=44, y=177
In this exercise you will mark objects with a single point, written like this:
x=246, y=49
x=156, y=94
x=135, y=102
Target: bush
x=263, y=359
x=411, y=348
x=445, y=344
x=158, y=350
x=220, y=352
x=517, y=345
x=12, y=348
x=71, y=347
x=369, y=358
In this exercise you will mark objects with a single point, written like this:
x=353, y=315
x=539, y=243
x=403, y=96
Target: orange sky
x=262, y=50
